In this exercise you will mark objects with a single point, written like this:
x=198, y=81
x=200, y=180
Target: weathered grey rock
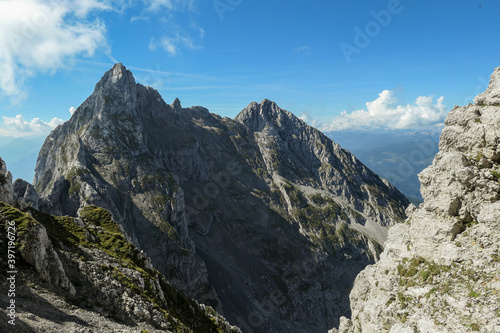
x=439, y=271
x=262, y=216
x=26, y=194
x=37, y=250
x=6, y=189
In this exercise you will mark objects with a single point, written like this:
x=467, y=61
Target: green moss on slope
x=102, y=232
x=23, y=222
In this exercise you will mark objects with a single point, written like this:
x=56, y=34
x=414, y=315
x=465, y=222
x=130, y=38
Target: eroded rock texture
x=439, y=271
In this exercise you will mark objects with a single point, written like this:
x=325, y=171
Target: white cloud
x=178, y=37
x=39, y=36
x=72, y=110
x=157, y=5
x=202, y=32
x=173, y=44
x=170, y=45
x=385, y=113
x=18, y=127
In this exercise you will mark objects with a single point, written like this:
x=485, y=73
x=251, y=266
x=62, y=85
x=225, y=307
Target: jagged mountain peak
x=118, y=75
x=116, y=92
x=269, y=105
x=256, y=115
x=176, y=104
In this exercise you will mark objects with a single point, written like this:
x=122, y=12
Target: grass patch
x=22, y=220
x=474, y=327
x=125, y=280
x=418, y=265
x=318, y=199
x=295, y=196
x=62, y=228
x=111, y=239
x=99, y=217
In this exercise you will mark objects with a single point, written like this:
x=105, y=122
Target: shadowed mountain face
x=261, y=216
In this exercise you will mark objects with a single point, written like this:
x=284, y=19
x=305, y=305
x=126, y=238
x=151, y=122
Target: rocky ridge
x=261, y=217
x=439, y=270
x=82, y=275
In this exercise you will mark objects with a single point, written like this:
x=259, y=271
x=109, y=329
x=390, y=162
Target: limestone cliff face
x=439, y=270
x=262, y=216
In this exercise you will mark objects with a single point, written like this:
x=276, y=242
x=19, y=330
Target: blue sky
x=340, y=65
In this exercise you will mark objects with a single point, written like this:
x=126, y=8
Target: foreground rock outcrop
x=261, y=217
x=439, y=271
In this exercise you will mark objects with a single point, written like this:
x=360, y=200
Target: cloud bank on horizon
x=384, y=113
x=18, y=127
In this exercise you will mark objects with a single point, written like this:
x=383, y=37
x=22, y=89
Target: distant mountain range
x=21, y=154
x=394, y=155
